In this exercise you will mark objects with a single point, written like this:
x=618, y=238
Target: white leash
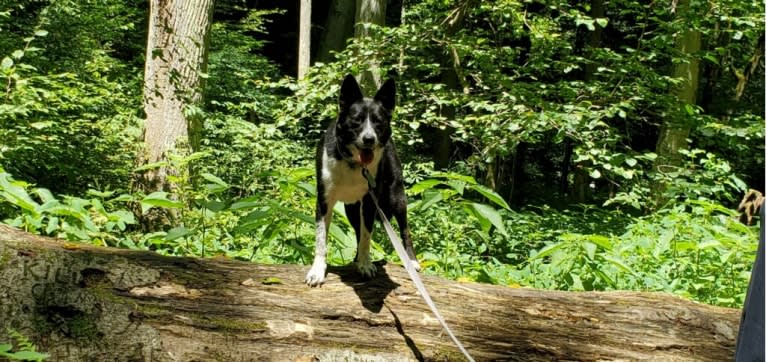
x=414, y=276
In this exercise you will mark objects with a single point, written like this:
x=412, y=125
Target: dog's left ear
x=350, y=92
x=387, y=94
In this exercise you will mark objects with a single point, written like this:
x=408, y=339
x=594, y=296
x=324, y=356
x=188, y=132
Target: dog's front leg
x=316, y=274
x=364, y=233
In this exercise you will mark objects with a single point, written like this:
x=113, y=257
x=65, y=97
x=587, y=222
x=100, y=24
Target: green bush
x=696, y=249
x=37, y=210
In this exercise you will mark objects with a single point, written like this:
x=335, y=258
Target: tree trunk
x=176, y=54
x=304, y=38
x=86, y=303
x=581, y=179
x=452, y=77
x=369, y=12
x=677, y=127
x=339, y=27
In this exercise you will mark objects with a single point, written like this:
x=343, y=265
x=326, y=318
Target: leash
x=414, y=276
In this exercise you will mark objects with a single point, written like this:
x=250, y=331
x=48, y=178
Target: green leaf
x=711, y=57
x=17, y=195
x=631, y=161
x=491, y=195
x=41, y=32
x=29, y=356
x=102, y=194
x=214, y=179
x=602, y=241
x=53, y=225
x=430, y=198
x=455, y=176
x=5, y=347
x=590, y=250
x=123, y=197
x=45, y=195
x=738, y=182
x=548, y=250
x=619, y=264
x=602, y=22
x=576, y=282
x=491, y=215
x=595, y=174
x=244, y=205
x=271, y=280
x=605, y=277
x=689, y=109
x=178, y=232
x=344, y=238
x=709, y=244
x=17, y=54
x=214, y=206
x=6, y=63
x=457, y=185
x=159, y=199
x=587, y=22
x=421, y=186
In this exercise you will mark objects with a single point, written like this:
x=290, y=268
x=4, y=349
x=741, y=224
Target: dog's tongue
x=365, y=156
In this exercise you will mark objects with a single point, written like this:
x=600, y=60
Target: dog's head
x=364, y=124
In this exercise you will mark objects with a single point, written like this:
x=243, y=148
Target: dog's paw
x=366, y=268
x=315, y=276
x=415, y=264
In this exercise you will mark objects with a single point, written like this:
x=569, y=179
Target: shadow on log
x=85, y=303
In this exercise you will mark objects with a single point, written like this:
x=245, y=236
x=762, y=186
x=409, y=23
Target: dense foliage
x=551, y=111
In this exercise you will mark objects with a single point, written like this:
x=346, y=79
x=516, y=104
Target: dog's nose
x=368, y=140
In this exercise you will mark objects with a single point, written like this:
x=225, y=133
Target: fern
x=26, y=350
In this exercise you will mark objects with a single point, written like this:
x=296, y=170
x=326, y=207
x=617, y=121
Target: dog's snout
x=368, y=140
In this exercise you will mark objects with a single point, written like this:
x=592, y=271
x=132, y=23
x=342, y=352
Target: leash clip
x=368, y=176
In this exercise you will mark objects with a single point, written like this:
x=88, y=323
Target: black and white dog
x=359, y=138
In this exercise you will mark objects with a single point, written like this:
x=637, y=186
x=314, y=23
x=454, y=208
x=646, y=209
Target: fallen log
x=86, y=303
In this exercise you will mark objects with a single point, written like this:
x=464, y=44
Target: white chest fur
x=343, y=182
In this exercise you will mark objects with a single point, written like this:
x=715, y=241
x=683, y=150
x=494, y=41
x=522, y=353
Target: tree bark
x=339, y=27
x=581, y=180
x=451, y=76
x=304, y=38
x=86, y=303
x=176, y=54
x=369, y=12
x=675, y=131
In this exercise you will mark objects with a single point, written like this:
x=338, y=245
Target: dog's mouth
x=365, y=156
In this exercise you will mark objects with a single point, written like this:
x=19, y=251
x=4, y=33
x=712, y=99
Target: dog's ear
x=349, y=92
x=387, y=94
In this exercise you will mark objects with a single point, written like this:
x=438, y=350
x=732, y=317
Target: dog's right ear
x=350, y=92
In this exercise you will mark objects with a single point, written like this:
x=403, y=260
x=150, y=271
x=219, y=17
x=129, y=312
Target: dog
x=359, y=138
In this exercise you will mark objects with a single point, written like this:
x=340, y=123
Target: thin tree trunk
x=304, y=38
x=339, y=27
x=581, y=180
x=675, y=131
x=86, y=303
x=369, y=12
x=452, y=76
x=566, y=160
x=176, y=54
x=441, y=146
